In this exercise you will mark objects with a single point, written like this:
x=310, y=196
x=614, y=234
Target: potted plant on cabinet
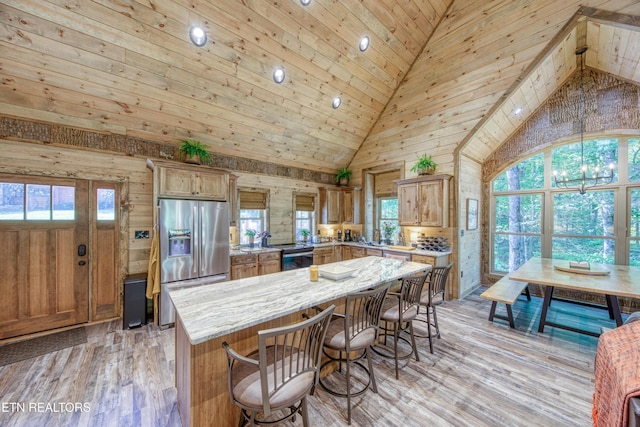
x=424, y=166
x=305, y=234
x=343, y=176
x=194, y=151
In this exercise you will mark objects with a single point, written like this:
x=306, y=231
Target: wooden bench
x=505, y=291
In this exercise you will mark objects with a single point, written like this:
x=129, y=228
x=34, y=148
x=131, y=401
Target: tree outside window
x=582, y=227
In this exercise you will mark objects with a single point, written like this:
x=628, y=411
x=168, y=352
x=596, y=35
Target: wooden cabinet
x=269, y=263
x=351, y=205
x=192, y=182
x=340, y=205
x=351, y=252
x=424, y=201
x=330, y=206
x=434, y=261
x=374, y=252
x=403, y=256
x=243, y=266
x=324, y=255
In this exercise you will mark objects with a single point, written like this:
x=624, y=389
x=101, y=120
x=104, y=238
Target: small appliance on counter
x=347, y=235
x=339, y=235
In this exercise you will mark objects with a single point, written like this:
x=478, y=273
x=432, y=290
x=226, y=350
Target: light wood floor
x=482, y=374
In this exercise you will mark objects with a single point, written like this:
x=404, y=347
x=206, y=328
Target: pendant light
x=598, y=177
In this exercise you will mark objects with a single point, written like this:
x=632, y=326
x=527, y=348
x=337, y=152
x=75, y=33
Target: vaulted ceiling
x=439, y=75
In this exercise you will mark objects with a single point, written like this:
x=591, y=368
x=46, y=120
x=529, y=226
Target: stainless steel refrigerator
x=194, y=247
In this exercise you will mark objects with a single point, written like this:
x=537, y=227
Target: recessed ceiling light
x=364, y=43
x=517, y=111
x=278, y=75
x=198, y=36
x=305, y=2
x=336, y=102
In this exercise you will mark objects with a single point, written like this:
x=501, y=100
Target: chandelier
x=597, y=176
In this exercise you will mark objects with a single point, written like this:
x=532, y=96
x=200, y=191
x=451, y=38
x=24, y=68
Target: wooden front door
x=44, y=255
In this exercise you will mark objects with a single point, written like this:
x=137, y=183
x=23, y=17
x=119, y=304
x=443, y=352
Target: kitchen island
x=235, y=311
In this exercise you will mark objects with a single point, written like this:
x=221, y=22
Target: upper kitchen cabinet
x=179, y=180
x=330, y=205
x=424, y=201
x=338, y=205
x=351, y=205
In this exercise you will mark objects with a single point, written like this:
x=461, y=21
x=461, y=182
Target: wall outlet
x=461, y=273
x=461, y=233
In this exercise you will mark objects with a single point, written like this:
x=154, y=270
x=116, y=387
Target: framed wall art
x=472, y=214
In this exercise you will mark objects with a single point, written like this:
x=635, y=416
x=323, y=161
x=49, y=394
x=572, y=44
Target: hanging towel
x=153, y=274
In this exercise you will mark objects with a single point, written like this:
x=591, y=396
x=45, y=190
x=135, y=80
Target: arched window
x=530, y=216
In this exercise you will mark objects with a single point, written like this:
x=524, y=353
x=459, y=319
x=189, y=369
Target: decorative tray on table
x=581, y=268
x=335, y=272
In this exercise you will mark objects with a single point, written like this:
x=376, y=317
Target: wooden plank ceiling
x=438, y=73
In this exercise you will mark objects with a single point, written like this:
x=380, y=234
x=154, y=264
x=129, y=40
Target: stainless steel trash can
x=135, y=301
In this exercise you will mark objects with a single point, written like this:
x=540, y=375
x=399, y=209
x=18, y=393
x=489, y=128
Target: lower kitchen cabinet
x=269, y=263
x=326, y=255
x=434, y=261
x=354, y=252
x=243, y=266
x=374, y=252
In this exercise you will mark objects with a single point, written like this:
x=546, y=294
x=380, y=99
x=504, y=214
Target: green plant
x=305, y=233
x=192, y=148
x=388, y=228
x=250, y=233
x=424, y=165
x=343, y=173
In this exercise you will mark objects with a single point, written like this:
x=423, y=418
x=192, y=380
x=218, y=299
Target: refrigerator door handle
x=202, y=231
x=195, y=249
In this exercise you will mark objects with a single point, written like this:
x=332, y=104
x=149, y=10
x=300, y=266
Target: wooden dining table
x=612, y=281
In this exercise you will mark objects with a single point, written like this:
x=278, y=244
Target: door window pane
x=589, y=214
x=526, y=175
x=63, y=202
x=38, y=202
x=11, y=201
x=634, y=159
x=519, y=214
x=106, y=204
x=584, y=249
x=511, y=251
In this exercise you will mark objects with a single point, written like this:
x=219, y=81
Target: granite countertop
x=256, y=250
x=259, y=250
x=218, y=309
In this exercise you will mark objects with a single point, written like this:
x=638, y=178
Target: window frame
x=622, y=198
x=380, y=219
